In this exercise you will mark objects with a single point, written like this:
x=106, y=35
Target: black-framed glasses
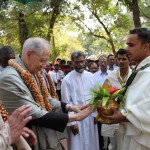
x=79, y=62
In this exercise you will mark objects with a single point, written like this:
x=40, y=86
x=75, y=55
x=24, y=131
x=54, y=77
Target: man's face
x=103, y=63
x=111, y=60
x=56, y=67
x=37, y=62
x=79, y=64
x=135, y=48
x=122, y=61
x=93, y=68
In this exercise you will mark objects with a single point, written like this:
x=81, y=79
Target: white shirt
x=57, y=78
x=100, y=77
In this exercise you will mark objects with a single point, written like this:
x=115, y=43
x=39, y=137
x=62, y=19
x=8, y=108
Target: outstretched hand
x=117, y=117
x=17, y=121
x=78, y=108
x=81, y=114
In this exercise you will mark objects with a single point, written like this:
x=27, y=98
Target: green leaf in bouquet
x=122, y=90
x=103, y=91
x=94, y=91
x=95, y=102
x=90, y=101
x=104, y=101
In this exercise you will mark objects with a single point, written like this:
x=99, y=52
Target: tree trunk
x=56, y=11
x=136, y=13
x=112, y=44
x=23, y=30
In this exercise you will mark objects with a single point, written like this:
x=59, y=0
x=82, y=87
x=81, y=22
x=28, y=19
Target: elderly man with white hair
x=21, y=84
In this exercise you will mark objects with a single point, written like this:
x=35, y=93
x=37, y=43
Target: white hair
x=36, y=44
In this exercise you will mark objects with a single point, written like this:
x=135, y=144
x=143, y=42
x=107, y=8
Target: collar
x=20, y=62
x=101, y=73
x=77, y=73
x=144, y=62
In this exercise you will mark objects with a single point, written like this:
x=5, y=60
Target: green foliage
x=145, y=12
x=93, y=26
x=107, y=22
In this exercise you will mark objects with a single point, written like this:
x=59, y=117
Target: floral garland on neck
x=39, y=97
x=52, y=89
x=124, y=78
x=4, y=113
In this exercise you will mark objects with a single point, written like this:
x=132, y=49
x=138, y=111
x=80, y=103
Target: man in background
x=75, y=91
x=111, y=62
x=100, y=77
x=6, y=53
x=117, y=78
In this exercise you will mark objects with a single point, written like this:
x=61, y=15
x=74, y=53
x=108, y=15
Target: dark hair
x=77, y=54
x=62, y=61
x=58, y=59
x=122, y=51
x=142, y=33
x=109, y=56
x=4, y=50
x=93, y=62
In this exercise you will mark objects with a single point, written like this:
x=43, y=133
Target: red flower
x=113, y=91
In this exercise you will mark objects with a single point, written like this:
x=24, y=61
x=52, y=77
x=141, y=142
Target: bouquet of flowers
x=105, y=99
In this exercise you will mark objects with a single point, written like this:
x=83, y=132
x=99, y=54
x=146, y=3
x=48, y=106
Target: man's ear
x=147, y=46
x=29, y=53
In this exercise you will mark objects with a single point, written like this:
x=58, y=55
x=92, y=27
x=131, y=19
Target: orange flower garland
x=39, y=97
x=52, y=89
x=44, y=92
x=3, y=112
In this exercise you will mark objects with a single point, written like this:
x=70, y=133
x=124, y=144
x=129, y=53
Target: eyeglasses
x=79, y=62
x=42, y=60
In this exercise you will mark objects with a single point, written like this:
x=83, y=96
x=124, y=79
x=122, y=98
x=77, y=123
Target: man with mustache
x=75, y=91
x=100, y=77
x=133, y=116
x=117, y=78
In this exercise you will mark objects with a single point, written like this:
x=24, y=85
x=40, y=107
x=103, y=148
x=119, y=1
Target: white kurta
x=110, y=130
x=76, y=90
x=137, y=131
x=112, y=77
